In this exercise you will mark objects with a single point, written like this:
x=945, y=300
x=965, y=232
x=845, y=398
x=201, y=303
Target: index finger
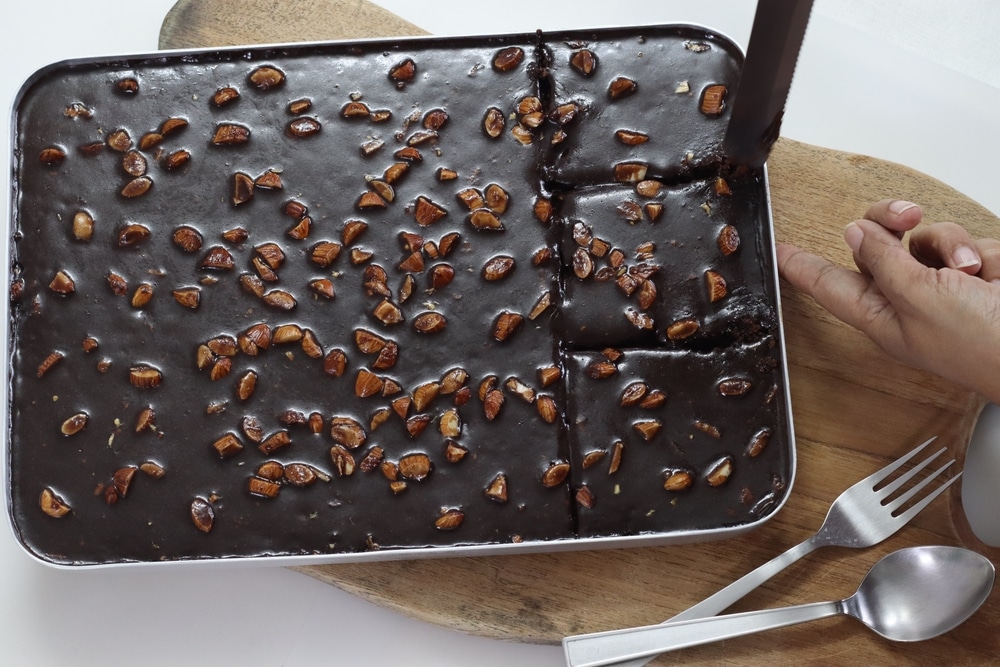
x=848, y=295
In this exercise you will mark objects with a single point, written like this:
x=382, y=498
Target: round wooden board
x=854, y=410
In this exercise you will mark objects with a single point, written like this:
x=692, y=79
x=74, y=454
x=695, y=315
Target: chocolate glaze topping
x=332, y=299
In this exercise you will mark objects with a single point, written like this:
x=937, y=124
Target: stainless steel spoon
x=910, y=595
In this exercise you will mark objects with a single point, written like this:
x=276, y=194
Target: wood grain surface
x=854, y=409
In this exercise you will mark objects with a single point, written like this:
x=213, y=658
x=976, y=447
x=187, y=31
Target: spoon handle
x=617, y=646
x=726, y=597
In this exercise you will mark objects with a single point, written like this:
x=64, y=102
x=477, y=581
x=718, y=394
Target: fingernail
x=853, y=236
x=964, y=257
x=901, y=205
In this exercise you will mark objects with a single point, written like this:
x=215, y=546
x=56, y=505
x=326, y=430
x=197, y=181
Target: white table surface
x=915, y=82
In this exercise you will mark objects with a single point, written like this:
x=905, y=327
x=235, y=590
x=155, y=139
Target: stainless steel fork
x=862, y=516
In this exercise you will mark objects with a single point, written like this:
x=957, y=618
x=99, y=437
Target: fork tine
x=911, y=493
x=913, y=511
x=897, y=483
x=880, y=475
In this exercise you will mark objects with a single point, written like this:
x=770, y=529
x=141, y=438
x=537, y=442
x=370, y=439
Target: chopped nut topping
x=202, y=514
x=267, y=77
x=229, y=134
x=507, y=59
x=713, y=100
x=494, y=122
x=584, y=62
x=648, y=429
x=52, y=504
x=403, y=72
x=677, y=480
x=682, y=329
x=347, y=432
x=145, y=377
x=506, y=324
x=415, y=467
x=720, y=472
x=555, y=474
x=758, y=442
x=450, y=519
x=429, y=322
x=498, y=267
x=729, y=240
x=497, y=489
x=263, y=488
x=227, y=446
x=621, y=87
x=74, y=424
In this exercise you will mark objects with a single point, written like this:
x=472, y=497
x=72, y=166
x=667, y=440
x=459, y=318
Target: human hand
x=935, y=306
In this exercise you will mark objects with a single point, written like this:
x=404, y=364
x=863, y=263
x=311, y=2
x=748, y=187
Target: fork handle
x=725, y=598
x=609, y=648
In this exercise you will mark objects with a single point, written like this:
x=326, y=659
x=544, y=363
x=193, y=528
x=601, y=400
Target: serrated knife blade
x=759, y=103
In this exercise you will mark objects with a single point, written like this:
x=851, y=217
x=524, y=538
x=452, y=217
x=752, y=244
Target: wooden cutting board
x=854, y=410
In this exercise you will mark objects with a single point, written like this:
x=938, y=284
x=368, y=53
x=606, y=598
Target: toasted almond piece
x=450, y=424
x=677, y=480
x=146, y=420
x=388, y=313
x=506, y=324
x=429, y=322
x=653, y=400
x=245, y=385
x=263, y=488
x=758, y=442
x=403, y=72
x=343, y=461
x=450, y=519
x=734, y=387
x=555, y=474
x=648, y=428
x=74, y=424
x=720, y=472
x=547, y=409
x=83, y=226
x=683, y=328
x=728, y=240
x=367, y=384
x=621, y=87
x=274, y=442
x=508, y=58
x=425, y=394
x=454, y=452
x=584, y=61
x=427, y=212
x=496, y=198
x=713, y=100
x=493, y=122
x=227, y=446
x=145, y=377
x=266, y=77
x=52, y=504
x=347, y=432
x=492, y=402
x=548, y=375
x=601, y=369
x=633, y=393
x=496, y=490
x=189, y=297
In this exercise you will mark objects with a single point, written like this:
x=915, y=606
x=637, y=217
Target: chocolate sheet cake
x=342, y=298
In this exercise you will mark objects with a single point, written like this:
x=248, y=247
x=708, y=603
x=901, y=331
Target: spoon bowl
x=910, y=595
x=921, y=592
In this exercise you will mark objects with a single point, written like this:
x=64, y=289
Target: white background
x=915, y=82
